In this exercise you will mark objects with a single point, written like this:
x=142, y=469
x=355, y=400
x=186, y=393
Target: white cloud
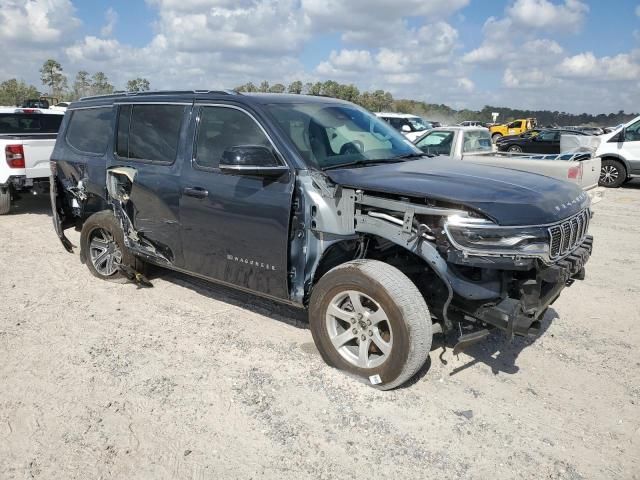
x=527, y=78
x=638, y=11
x=543, y=14
x=345, y=62
x=374, y=22
x=32, y=31
x=587, y=66
x=111, y=17
x=36, y=21
x=466, y=85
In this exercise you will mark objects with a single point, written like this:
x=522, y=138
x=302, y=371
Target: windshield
x=331, y=135
x=476, y=141
x=419, y=124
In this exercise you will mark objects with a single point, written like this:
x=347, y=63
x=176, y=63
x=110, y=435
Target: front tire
x=5, y=201
x=102, y=248
x=612, y=174
x=368, y=319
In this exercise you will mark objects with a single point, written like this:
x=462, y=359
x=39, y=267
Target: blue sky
x=567, y=55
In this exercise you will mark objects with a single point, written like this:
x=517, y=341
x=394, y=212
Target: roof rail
x=160, y=92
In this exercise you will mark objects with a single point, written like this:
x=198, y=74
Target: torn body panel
x=143, y=234
x=507, y=292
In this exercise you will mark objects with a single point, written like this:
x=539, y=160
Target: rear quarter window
x=89, y=130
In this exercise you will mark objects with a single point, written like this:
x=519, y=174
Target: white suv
x=411, y=126
x=620, y=153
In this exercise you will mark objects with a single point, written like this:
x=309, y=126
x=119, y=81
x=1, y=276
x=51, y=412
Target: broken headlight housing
x=479, y=236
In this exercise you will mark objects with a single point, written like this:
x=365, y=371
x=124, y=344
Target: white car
x=61, y=107
x=27, y=138
x=620, y=153
x=473, y=144
x=411, y=126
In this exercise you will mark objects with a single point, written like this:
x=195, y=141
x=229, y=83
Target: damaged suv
x=317, y=203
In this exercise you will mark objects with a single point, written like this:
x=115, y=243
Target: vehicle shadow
x=496, y=351
x=633, y=184
x=31, y=204
x=283, y=313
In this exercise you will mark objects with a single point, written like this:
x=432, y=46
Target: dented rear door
x=143, y=177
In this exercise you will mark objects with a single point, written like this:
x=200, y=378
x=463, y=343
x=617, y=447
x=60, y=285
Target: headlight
x=481, y=236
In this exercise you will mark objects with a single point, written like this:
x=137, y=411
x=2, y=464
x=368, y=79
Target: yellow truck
x=514, y=128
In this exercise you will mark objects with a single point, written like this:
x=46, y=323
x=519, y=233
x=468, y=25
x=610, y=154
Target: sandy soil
x=192, y=381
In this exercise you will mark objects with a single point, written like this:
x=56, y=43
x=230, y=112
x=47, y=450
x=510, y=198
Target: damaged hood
x=508, y=197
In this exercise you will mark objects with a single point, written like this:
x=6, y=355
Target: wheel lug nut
x=370, y=333
x=368, y=322
x=363, y=337
x=353, y=320
x=354, y=331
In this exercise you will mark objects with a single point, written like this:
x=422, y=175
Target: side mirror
x=406, y=129
x=251, y=160
x=622, y=135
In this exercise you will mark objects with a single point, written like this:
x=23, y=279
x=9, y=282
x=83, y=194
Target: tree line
x=14, y=92
x=379, y=100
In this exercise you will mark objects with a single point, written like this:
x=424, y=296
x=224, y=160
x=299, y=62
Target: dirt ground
x=191, y=381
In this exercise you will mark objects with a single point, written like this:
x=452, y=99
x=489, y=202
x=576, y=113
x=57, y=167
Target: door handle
x=196, y=192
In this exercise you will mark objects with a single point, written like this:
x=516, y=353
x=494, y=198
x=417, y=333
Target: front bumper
x=519, y=315
x=596, y=194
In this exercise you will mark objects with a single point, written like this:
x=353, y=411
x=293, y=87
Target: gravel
x=187, y=380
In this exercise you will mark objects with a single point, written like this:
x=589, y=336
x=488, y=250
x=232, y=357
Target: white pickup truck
x=27, y=138
x=473, y=144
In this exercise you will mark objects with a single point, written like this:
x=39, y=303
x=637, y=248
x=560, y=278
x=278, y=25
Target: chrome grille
x=567, y=235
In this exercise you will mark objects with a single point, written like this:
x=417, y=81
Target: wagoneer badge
x=255, y=263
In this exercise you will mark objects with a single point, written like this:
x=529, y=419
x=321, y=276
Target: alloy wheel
x=359, y=329
x=104, y=252
x=609, y=174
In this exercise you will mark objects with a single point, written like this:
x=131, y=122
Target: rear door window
x=547, y=136
x=29, y=123
x=89, y=130
x=149, y=132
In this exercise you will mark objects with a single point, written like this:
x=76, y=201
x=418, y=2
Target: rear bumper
x=56, y=208
x=519, y=316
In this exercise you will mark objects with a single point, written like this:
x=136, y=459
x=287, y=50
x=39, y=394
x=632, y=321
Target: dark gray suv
x=317, y=203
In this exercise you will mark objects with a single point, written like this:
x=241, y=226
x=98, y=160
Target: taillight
x=575, y=172
x=15, y=156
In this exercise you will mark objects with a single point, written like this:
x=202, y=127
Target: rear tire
x=495, y=137
x=102, y=248
x=368, y=319
x=515, y=149
x=612, y=174
x=5, y=201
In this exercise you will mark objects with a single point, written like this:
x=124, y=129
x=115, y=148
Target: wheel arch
x=431, y=282
x=618, y=158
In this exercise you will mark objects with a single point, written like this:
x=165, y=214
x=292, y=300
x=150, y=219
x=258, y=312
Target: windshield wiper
x=414, y=155
x=364, y=163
